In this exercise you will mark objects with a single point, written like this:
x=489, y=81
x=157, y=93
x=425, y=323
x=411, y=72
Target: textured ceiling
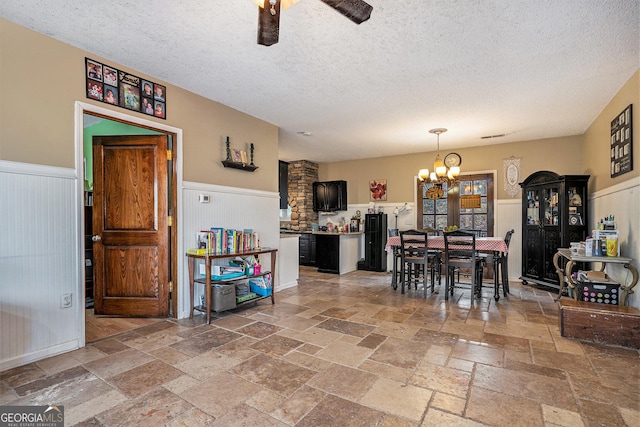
x=527, y=69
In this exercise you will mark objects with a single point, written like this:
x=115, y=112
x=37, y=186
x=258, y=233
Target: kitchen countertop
x=333, y=233
x=330, y=233
x=289, y=235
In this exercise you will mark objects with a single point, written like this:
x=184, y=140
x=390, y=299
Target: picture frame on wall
x=158, y=109
x=110, y=76
x=159, y=92
x=94, y=90
x=111, y=95
x=147, y=106
x=621, y=142
x=147, y=89
x=129, y=96
x=94, y=70
x=110, y=85
x=378, y=190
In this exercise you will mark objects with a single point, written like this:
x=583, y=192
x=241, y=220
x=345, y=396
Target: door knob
x=96, y=238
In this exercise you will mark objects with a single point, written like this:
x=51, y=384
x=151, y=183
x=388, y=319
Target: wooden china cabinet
x=554, y=213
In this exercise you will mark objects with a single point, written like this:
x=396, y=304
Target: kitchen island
x=338, y=253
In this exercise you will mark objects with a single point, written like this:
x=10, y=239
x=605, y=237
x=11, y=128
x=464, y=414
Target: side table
x=567, y=281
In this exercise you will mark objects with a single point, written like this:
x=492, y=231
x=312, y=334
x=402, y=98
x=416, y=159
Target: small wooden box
x=602, y=323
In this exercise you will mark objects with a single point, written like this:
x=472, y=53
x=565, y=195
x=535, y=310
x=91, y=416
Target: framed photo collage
x=112, y=86
x=621, y=143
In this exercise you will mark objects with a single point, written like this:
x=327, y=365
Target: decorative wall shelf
x=238, y=165
x=240, y=160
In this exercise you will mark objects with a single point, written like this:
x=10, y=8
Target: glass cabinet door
x=551, y=212
x=533, y=207
x=576, y=206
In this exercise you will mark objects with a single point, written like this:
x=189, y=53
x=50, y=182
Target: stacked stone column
x=302, y=174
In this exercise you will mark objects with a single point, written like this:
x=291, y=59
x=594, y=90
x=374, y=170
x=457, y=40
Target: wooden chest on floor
x=602, y=323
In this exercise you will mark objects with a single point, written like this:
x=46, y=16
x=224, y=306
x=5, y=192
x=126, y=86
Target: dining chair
x=478, y=232
x=393, y=232
x=487, y=257
x=414, y=259
x=503, y=261
x=460, y=252
x=500, y=261
x=435, y=256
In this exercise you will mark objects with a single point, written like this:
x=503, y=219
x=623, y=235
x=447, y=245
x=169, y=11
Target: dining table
x=494, y=245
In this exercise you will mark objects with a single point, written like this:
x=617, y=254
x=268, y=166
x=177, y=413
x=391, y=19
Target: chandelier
x=444, y=172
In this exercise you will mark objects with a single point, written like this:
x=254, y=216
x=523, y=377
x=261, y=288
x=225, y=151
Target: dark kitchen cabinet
x=328, y=253
x=330, y=196
x=283, y=184
x=554, y=214
x=307, y=249
x=375, y=239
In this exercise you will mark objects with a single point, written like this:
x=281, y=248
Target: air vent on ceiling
x=500, y=135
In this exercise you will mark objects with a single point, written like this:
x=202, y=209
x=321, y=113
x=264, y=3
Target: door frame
x=494, y=202
x=80, y=108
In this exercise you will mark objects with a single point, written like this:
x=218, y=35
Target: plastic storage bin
x=265, y=292
x=604, y=293
x=261, y=286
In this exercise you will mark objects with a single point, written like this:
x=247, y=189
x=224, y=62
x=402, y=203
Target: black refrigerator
x=375, y=239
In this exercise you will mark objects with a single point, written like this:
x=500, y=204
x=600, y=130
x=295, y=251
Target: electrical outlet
x=65, y=301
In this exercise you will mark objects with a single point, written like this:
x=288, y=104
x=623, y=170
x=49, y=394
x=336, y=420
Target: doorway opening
x=90, y=121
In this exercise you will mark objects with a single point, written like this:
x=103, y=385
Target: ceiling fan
x=269, y=15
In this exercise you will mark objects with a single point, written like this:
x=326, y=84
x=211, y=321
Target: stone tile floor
x=344, y=351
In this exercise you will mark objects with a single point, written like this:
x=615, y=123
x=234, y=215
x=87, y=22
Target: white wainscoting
x=508, y=216
x=623, y=202
x=228, y=207
x=38, y=262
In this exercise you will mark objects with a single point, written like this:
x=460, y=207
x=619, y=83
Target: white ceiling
x=528, y=69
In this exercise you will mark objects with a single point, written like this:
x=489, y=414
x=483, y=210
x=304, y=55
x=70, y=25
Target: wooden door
x=130, y=230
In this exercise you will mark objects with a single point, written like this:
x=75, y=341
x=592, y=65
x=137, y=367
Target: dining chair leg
x=452, y=280
x=432, y=276
x=476, y=282
x=446, y=284
x=396, y=271
x=402, y=276
x=504, y=268
x=496, y=277
x=424, y=281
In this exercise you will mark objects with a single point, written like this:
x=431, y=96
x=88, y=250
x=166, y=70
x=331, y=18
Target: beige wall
x=560, y=155
x=586, y=154
x=41, y=78
x=596, y=138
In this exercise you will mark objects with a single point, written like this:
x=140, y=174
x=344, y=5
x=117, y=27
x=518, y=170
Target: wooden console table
x=566, y=280
x=208, y=282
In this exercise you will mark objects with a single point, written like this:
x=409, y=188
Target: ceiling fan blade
x=356, y=10
x=268, y=24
